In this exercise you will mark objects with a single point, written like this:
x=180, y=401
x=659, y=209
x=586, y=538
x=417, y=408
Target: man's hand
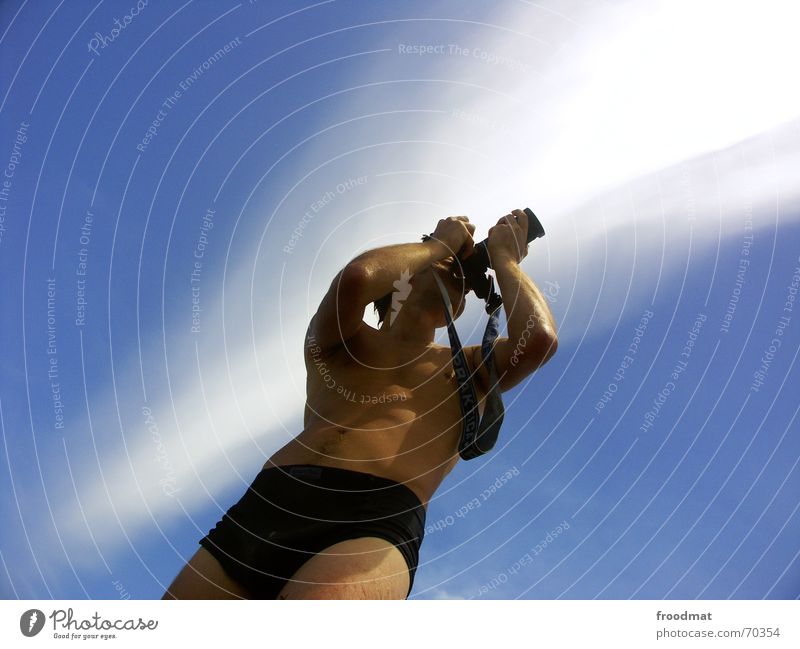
x=508, y=239
x=455, y=234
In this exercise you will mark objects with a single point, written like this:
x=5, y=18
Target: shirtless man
x=339, y=512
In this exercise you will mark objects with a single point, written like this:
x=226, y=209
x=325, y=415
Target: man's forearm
x=524, y=303
x=384, y=266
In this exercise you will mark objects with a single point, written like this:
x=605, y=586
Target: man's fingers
x=468, y=240
x=469, y=227
x=516, y=217
x=522, y=219
x=508, y=219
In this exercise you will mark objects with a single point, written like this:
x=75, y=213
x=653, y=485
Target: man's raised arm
x=372, y=274
x=532, y=339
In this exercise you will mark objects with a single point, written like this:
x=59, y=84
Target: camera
x=475, y=266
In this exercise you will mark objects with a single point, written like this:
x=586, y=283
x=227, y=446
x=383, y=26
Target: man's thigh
x=363, y=568
x=203, y=578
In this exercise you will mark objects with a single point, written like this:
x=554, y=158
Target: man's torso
x=383, y=407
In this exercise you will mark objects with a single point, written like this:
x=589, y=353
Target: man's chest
x=415, y=370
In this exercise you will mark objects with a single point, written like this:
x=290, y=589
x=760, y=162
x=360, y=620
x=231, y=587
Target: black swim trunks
x=289, y=513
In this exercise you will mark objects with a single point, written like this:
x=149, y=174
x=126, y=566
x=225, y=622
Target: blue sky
x=658, y=144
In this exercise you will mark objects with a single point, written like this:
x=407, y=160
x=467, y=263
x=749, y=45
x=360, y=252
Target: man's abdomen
x=412, y=455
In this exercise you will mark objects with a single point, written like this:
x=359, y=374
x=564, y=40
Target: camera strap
x=479, y=434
